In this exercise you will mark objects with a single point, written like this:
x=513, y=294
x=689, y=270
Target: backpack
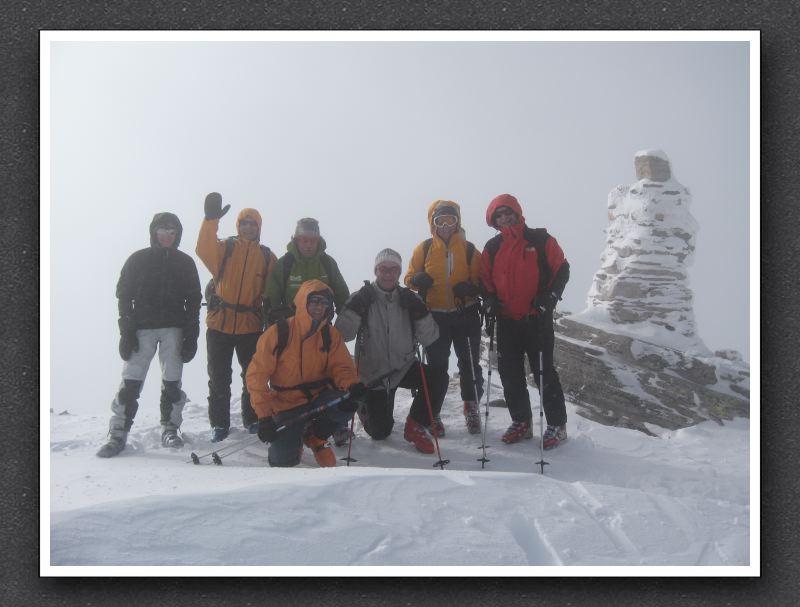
x=536, y=237
x=214, y=301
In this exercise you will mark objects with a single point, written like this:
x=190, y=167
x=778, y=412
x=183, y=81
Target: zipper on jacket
x=241, y=282
x=447, y=288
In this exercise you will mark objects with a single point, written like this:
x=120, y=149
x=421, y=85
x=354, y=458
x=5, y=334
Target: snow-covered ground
x=609, y=497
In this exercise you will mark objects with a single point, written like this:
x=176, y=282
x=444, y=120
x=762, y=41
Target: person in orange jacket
x=239, y=267
x=306, y=368
x=445, y=271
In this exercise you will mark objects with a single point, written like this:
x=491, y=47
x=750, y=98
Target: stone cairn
x=650, y=245
x=633, y=358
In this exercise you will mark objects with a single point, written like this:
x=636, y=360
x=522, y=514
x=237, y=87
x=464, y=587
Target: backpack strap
x=283, y=337
x=426, y=246
x=470, y=254
x=325, y=259
x=229, y=242
x=326, y=338
x=267, y=255
x=538, y=237
x=288, y=262
x=493, y=246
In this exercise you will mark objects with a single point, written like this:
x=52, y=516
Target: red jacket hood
x=503, y=200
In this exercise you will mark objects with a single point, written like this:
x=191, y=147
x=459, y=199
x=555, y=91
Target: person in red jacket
x=523, y=274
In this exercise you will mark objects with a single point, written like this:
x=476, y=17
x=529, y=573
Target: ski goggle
x=318, y=300
x=166, y=231
x=443, y=221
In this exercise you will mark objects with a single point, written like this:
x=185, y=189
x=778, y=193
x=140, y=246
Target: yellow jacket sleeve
x=209, y=248
x=417, y=264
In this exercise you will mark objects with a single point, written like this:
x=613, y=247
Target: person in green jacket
x=305, y=259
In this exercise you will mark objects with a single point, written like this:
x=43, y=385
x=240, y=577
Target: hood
x=442, y=203
x=291, y=247
x=301, y=316
x=252, y=214
x=162, y=218
x=503, y=200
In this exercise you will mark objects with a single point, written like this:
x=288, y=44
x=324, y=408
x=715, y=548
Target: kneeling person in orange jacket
x=313, y=368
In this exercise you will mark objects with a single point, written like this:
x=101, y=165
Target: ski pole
x=442, y=462
x=359, y=349
x=234, y=447
x=541, y=461
x=224, y=450
x=483, y=460
x=472, y=370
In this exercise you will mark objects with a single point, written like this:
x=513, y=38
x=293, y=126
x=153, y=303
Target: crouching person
x=159, y=309
x=300, y=364
x=390, y=320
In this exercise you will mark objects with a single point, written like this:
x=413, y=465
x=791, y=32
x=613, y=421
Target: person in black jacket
x=159, y=309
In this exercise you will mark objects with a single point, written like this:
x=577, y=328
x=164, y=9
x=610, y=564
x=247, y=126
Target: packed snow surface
x=608, y=496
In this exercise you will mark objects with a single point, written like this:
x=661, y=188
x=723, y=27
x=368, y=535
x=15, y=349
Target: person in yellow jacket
x=444, y=270
x=239, y=268
x=302, y=363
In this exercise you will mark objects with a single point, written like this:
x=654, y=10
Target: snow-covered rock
x=633, y=357
x=642, y=284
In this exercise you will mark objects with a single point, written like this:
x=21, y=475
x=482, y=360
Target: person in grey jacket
x=389, y=321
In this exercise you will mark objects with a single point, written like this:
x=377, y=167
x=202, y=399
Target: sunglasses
x=504, y=213
x=445, y=221
x=244, y=223
x=318, y=300
x=166, y=231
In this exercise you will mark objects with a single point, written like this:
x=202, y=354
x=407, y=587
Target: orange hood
x=252, y=214
x=301, y=315
x=443, y=203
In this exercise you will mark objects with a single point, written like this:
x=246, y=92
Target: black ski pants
x=462, y=329
x=515, y=340
x=377, y=411
x=220, y=347
x=287, y=448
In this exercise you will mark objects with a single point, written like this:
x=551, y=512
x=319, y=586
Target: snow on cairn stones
x=633, y=358
x=651, y=240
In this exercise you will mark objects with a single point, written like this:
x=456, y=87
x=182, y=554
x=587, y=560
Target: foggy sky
x=364, y=136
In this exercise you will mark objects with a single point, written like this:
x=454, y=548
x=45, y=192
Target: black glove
x=465, y=289
x=356, y=391
x=189, y=344
x=351, y=404
x=267, y=429
x=360, y=301
x=128, y=342
x=490, y=305
x=188, y=349
x=213, y=207
x=422, y=280
x=546, y=302
x=415, y=306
